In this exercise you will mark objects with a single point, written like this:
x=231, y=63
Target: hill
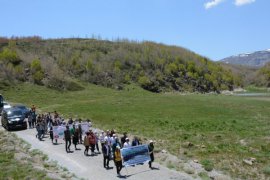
x=64, y=63
x=255, y=59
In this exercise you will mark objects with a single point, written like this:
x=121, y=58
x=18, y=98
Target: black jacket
x=104, y=150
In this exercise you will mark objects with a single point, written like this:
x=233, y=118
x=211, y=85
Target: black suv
x=13, y=118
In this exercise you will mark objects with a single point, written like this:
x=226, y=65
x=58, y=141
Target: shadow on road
x=127, y=176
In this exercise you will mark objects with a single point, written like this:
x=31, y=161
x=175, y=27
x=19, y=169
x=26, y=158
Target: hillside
x=250, y=76
x=64, y=64
x=255, y=59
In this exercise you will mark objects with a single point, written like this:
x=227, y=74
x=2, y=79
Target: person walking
x=123, y=139
x=30, y=118
x=106, y=150
x=97, y=140
x=38, y=127
x=115, y=144
x=92, y=141
x=80, y=131
x=67, y=138
x=75, y=138
x=118, y=160
x=151, y=153
x=86, y=143
x=51, y=133
x=34, y=118
x=102, y=139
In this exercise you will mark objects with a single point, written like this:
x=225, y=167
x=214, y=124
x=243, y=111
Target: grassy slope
x=215, y=121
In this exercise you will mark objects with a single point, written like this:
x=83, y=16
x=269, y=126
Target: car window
x=14, y=113
x=21, y=107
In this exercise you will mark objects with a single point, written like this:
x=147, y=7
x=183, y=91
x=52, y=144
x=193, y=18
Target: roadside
x=19, y=161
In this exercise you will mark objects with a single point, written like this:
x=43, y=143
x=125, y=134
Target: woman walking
x=86, y=143
x=92, y=141
x=118, y=160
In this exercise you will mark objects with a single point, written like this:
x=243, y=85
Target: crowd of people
x=107, y=142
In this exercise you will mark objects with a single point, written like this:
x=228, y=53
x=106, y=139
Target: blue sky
x=213, y=28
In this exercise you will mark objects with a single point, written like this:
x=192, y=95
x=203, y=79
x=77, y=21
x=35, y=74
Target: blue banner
x=135, y=155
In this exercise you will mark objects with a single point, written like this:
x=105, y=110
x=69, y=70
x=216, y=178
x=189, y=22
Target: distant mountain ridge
x=255, y=59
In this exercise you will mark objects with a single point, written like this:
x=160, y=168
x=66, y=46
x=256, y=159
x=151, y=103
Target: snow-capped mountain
x=255, y=59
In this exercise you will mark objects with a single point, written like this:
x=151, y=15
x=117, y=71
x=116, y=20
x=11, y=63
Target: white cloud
x=243, y=2
x=212, y=3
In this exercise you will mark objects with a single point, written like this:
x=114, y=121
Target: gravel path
x=92, y=167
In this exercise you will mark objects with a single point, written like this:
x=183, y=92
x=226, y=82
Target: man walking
x=67, y=139
x=106, y=150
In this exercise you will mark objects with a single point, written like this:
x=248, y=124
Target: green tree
x=37, y=71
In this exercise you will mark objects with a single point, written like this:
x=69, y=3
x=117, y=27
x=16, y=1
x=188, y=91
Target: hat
x=113, y=135
x=117, y=147
x=127, y=139
x=151, y=141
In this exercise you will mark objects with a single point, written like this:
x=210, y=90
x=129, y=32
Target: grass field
x=219, y=129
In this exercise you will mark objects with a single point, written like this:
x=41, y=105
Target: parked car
x=23, y=108
x=1, y=103
x=13, y=118
x=6, y=105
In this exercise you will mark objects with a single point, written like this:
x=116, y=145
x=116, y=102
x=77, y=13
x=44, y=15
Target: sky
x=213, y=28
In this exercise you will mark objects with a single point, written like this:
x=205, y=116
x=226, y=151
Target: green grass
x=215, y=124
x=11, y=168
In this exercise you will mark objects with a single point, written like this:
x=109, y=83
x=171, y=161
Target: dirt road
x=89, y=167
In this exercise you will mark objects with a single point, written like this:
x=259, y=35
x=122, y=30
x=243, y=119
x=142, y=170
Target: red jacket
x=92, y=139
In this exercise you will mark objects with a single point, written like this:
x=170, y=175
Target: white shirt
x=108, y=139
x=102, y=138
x=112, y=140
x=127, y=144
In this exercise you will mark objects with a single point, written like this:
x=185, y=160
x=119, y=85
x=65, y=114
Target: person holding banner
x=135, y=141
x=118, y=160
x=151, y=153
x=127, y=143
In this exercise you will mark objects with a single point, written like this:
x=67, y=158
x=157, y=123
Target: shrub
x=207, y=165
x=10, y=56
x=266, y=170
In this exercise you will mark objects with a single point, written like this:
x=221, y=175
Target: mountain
x=255, y=59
